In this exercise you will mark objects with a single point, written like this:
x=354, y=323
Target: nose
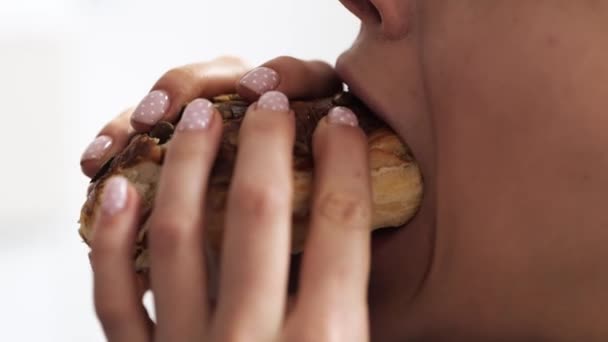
x=363, y=9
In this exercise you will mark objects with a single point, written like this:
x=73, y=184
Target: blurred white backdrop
x=67, y=67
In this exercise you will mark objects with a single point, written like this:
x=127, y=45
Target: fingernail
x=152, y=108
x=197, y=115
x=260, y=80
x=274, y=101
x=342, y=116
x=114, y=195
x=98, y=148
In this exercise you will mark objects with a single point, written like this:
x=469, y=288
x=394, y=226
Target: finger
x=177, y=275
x=295, y=78
x=337, y=253
x=181, y=85
x=253, y=277
x=118, y=301
x=110, y=140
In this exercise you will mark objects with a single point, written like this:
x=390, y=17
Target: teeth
x=396, y=179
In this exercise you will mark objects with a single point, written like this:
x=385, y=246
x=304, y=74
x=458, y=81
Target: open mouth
x=356, y=86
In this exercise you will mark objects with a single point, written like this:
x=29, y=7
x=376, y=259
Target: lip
x=346, y=76
x=380, y=237
x=354, y=86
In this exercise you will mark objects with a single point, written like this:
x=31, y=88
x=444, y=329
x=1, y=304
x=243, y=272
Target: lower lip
x=355, y=89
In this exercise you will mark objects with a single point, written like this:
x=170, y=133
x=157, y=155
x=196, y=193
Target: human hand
x=180, y=85
x=331, y=302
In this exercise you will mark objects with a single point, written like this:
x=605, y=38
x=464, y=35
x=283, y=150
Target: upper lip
x=354, y=87
x=344, y=74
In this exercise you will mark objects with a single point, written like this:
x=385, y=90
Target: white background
x=68, y=66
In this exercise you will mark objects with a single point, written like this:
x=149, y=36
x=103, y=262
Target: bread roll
x=396, y=180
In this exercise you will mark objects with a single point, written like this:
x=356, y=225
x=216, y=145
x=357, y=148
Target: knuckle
x=168, y=235
x=111, y=314
x=99, y=252
x=125, y=113
x=230, y=59
x=322, y=64
x=285, y=60
x=280, y=129
x=178, y=74
x=255, y=127
x=102, y=244
x=258, y=202
x=235, y=335
x=123, y=118
x=240, y=330
x=344, y=208
x=179, y=80
x=314, y=333
x=184, y=153
x=120, y=124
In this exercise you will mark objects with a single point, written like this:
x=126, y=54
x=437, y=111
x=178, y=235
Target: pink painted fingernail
x=114, y=197
x=260, y=80
x=197, y=115
x=274, y=101
x=152, y=108
x=98, y=148
x=342, y=116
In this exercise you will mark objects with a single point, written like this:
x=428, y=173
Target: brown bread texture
x=397, y=184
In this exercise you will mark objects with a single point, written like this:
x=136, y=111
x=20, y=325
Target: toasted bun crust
x=396, y=180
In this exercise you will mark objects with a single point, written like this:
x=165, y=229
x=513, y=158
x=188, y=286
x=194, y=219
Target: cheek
x=360, y=54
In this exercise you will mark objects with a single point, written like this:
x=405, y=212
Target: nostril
x=374, y=13
x=364, y=9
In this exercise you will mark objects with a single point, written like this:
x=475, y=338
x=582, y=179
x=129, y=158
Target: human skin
x=252, y=303
x=502, y=103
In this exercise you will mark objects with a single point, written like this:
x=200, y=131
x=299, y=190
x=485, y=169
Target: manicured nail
x=197, y=115
x=152, y=108
x=342, y=116
x=98, y=148
x=260, y=80
x=274, y=101
x=114, y=195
